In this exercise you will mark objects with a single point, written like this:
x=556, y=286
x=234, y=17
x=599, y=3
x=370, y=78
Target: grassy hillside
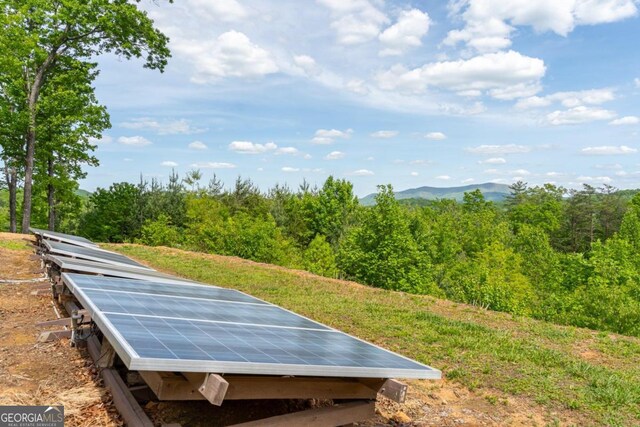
x=491, y=191
x=588, y=377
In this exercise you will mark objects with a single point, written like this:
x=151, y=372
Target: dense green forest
x=568, y=257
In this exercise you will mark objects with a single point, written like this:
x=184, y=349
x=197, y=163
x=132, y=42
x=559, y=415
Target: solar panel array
x=158, y=322
x=76, y=265
x=64, y=238
x=197, y=328
x=92, y=254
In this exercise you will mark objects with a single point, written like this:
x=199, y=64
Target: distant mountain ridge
x=491, y=191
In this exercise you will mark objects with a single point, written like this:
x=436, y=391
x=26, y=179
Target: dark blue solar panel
x=90, y=253
x=148, y=287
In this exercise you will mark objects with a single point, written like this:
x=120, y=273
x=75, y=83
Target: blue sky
x=408, y=93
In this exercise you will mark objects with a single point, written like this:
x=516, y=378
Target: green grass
x=17, y=245
x=591, y=377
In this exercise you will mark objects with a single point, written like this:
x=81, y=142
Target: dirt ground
x=55, y=373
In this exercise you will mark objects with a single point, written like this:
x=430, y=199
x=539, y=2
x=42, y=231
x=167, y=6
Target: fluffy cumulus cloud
x=436, y=136
x=493, y=161
x=248, y=147
x=328, y=136
x=568, y=99
x=134, y=141
x=362, y=172
x=288, y=150
x=334, y=155
x=307, y=64
x=170, y=127
x=169, y=164
x=594, y=179
x=577, y=115
x=384, y=134
x=197, y=145
x=605, y=150
x=443, y=177
x=503, y=75
x=290, y=169
x=406, y=33
x=355, y=21
x=357, y=86
x=213, y=165
x=499, y=149
x=626, y=120
x=489, y=24
x=231, y=54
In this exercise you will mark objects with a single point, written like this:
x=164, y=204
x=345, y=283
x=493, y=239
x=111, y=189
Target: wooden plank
x=331, y=416
x=214, y=388
x=394, y=390
x=54, y=335
x=107, y=355
x=391, y=389
x=124, y=401
x=169, y=386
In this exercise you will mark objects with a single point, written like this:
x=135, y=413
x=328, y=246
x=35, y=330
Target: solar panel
x=75, y=265
x=195, y=328
x=64, y=238
x=92, y=254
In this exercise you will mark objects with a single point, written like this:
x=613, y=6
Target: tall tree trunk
x=34, y=94
x=51, y=197
x=11, y=176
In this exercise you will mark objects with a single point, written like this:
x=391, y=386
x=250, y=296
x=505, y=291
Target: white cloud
x=597, y=179
x=406, y=33
x=334, y=155
x=357, y=86
x=134, y=141
x=501, y=74
x=169, y=164
x=232, y=54
x=362, y=172
x=608, y=150
x=636, y=81
x=414, y=174
x=499, y=149
x=328, y=136
x=223, y=10
x=443, y=177
x=288, y=150
x=626, y=120
x=490, y=23
x=248, y=147
x=569, y=99
x=384, y=134
x=467, y=181
x=213, y=165
x=290, y=169
x=126, y=159
x=307, y=64
x=171, y=127
x=436, y=136
x=307, y=156
x=355, y=21
x=493, y=161
x=106, y=139
x=579, y=115
x=521, y=172
x=197, y=145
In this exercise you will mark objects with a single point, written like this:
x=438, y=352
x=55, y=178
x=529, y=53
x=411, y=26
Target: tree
x=36, y=34
x=382, y=252
x=333, y=209
x=114, y=214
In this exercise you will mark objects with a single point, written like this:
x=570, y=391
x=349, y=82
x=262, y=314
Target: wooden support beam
x=391, y=389
x=331, y=416
x=107, y=355
x=124, y=401
x=214, y=388
x=54, y=335
x=170, y=386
